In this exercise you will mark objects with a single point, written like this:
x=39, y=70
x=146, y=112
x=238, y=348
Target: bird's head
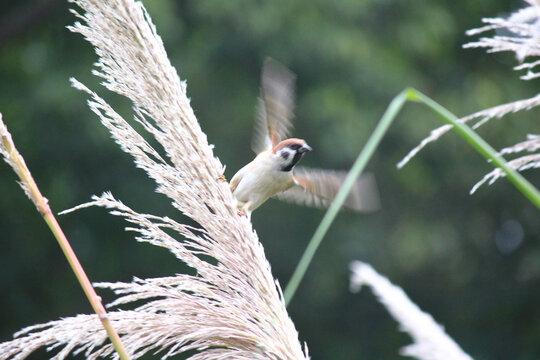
x=289, y=152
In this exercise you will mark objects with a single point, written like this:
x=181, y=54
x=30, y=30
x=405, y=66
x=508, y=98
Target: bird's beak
x=304, y=148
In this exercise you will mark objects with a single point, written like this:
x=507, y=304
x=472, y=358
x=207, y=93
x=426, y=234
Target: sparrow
x=273, y=172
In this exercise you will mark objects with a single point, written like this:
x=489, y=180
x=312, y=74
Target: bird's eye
x=294, y=147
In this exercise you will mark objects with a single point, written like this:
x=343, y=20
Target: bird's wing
x=318, y=188
x=275, y=106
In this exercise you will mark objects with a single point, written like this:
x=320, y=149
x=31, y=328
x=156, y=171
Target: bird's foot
x=241, y=213
x=222, y=178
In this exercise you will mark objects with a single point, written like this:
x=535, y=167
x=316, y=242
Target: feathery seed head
x=519, y=33
x=232, y=308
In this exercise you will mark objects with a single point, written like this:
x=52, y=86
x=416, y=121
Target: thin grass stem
x=15, y=159
x=479, y=145
x=409, y=94
x=357, y=168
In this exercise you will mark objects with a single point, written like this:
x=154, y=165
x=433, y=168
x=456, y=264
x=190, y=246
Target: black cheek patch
x=295, y=159
x=284, y=155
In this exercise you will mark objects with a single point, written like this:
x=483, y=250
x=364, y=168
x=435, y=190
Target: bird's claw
x=222, y=178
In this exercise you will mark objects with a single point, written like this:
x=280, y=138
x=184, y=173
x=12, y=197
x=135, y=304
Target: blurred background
x=473, y=262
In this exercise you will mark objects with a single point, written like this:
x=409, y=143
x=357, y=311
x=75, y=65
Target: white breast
x=261, y=179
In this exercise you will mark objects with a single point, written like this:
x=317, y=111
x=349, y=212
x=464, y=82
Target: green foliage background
x=473, y=262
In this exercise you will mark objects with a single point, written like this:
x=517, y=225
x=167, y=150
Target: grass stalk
x=479, y=145
x=357, y=168
x=409, y=94
x=15, y=159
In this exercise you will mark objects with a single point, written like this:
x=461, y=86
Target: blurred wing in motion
x=318, y=188
x=274, y=108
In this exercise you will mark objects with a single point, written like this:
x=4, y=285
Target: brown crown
x=288, y=142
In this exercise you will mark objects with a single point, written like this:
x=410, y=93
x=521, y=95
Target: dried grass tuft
x=232, y=307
